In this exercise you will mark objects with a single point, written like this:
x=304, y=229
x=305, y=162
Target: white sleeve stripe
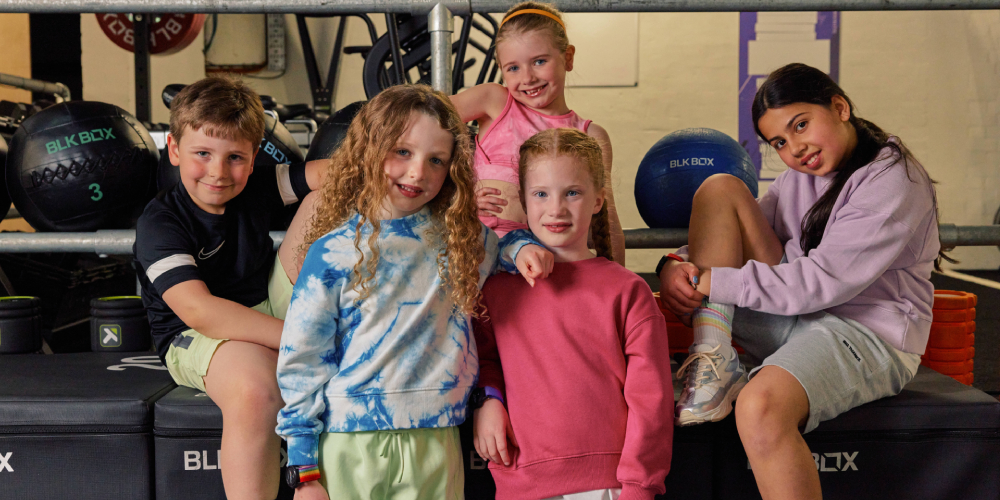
x=285, y=184
x=163, y=265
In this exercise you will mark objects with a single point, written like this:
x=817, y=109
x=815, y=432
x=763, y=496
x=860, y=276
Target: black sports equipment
x=332, y=132
x=78, y=425
x=119, y=324
x=20, y=324
x=937, y=439
x=4, y=197
x=188, y=437
x=81, y=166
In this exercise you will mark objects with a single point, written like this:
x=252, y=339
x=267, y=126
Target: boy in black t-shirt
x=214, y=290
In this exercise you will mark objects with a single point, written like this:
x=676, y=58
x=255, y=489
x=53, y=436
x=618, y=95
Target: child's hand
x=490, y=430
x=534, y=262
x=677, y=290
x=488, y=203
x=311, y=491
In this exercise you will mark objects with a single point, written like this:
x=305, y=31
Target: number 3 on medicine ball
x=674, y=168
x=81, y=166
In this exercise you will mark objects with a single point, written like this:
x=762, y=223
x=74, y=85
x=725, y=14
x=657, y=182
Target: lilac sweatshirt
x=873, y=264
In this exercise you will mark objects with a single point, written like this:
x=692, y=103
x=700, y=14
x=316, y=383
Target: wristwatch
x=481, y=394
x=295, y=475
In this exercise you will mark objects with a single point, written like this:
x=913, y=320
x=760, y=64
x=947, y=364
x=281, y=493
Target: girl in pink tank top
x=534, y=54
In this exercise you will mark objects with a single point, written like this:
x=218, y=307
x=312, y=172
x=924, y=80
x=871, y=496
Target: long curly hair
x=356, y=183
x=586, y=150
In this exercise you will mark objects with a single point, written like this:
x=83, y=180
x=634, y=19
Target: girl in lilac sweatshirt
x=828, y=275
x=574, y=380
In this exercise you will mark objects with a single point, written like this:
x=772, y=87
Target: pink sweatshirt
x=874, y=262
x=586, y=374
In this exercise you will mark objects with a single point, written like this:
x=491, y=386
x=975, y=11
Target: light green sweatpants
x=413, y=464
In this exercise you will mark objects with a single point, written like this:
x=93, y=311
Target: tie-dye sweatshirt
x=404, y=358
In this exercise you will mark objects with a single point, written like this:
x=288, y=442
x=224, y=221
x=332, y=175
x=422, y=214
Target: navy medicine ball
x=4, y=197
x=332, y=132
x=674, y=168
x=81, y=166
x=278, y=147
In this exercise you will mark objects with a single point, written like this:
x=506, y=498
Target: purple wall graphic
x=769, y=40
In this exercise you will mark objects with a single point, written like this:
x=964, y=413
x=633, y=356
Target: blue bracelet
x=493, y=392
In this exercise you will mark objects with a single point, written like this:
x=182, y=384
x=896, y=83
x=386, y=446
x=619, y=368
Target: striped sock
x=713, y=323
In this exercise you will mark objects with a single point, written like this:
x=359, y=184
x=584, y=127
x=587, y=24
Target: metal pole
x=441, y=24
x=35, y=85
x=398, y=71
x=143, y=104
x=462, y=7
x=119, y=241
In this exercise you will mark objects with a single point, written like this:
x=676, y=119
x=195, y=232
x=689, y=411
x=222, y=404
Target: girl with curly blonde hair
x=377, y=360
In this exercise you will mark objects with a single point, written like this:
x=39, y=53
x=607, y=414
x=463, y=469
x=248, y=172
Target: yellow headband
x=535, y=11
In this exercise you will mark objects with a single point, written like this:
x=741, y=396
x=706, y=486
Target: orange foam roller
x=966, y=378
x=952, y=335
x=951, y=355
x=951, y=299
x=946, y=368
x=954, y=315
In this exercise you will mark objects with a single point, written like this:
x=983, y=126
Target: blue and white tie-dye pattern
x=403, y=358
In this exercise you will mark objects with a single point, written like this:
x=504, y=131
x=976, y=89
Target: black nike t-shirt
x=176, y=241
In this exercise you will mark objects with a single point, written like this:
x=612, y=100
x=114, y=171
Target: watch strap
x=308, y=473
x=664, y=260
x=493, y=392
x=295, y=475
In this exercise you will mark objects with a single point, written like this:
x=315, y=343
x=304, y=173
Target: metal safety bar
x=35, y=85
x=119, y=241
x=466, y=7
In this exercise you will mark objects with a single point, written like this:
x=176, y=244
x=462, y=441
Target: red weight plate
x=966, y=378
x=950, y=299
x=169, y=33
x=954, y=315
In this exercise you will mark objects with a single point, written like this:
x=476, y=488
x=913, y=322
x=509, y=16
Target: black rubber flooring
x=986, y=366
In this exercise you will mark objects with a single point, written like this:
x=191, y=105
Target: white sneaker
x=715, y=378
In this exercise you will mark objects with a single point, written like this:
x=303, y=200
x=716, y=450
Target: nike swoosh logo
x=202, y=255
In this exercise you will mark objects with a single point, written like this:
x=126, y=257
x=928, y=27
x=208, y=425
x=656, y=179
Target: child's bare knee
x=720, y=187
x=762, y=418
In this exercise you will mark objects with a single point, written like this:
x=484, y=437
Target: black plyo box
x=937, y=439
x=188, y=439
x=78, y=425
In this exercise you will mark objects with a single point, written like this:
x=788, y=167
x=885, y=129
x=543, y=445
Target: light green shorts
x=191, y=353
x=397, y=465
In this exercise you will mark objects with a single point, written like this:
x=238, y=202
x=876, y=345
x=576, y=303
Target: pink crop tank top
x=497, y=150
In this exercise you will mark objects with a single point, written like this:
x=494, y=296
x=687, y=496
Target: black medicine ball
x=4, y=197
x=278, y=147
x=332, y=132
x=81, y=166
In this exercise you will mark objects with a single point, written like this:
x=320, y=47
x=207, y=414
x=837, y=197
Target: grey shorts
x=840, y=362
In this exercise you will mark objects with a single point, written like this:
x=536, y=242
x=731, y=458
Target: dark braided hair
x=799, y=83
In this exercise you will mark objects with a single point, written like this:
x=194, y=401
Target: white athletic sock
x=713, y=323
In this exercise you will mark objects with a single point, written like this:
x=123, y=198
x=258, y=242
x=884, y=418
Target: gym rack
x=441, y=25
x=119, y=241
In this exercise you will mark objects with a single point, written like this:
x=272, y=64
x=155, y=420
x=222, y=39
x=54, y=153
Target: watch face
x=291, y=476
x=478, y=398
